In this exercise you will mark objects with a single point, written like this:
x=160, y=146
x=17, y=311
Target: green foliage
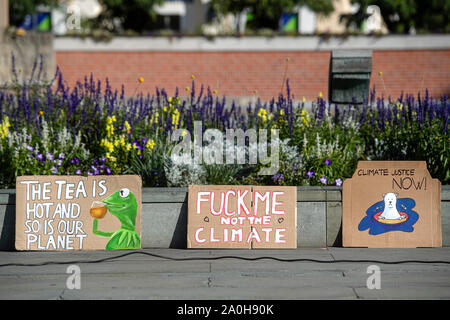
x=401, y=15
x=404, y=139
x=320, y=152
x=61, y=130
x=266, y=13
x=221, y=174
x=135, y=15
x=18, y=9
x=150, y=166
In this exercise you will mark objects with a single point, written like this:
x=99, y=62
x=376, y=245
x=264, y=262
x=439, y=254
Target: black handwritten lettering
x=405, y=183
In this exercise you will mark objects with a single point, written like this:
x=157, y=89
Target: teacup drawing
x=98, y=210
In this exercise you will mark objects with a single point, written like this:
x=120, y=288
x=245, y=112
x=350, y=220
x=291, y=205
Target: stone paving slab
x=141, y=276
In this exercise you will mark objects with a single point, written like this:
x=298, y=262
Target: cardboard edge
x=296, y=219
x=21, y=245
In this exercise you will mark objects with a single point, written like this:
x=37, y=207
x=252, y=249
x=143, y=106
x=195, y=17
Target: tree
x=266, y=13
x=136, y=15
x=402, y=15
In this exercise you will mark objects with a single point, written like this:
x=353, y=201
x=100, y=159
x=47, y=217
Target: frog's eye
x=124, y=192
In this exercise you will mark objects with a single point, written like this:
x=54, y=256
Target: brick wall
x=240, y=73
x=411, y=71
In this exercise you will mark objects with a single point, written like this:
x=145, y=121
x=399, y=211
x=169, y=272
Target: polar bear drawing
x=390, y=207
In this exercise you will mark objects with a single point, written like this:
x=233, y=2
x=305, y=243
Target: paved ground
x=140, y=276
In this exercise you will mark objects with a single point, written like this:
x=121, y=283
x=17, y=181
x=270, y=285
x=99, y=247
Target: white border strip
x=306, y=43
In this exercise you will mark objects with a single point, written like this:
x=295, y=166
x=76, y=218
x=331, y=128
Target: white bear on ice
x=390, y=207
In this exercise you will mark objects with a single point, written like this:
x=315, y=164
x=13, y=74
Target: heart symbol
x=280, y=220
x=206, y=219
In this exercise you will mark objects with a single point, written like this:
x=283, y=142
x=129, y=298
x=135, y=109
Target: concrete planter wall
x=164, y=217
x=26, y=50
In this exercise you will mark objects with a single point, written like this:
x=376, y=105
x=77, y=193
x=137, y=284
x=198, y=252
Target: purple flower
x=108, y=171
x=40, y=156
x=90, y=173
x=74, y=160
x=323, y=180
x=62, y=156
x=294, y=167
x=327, y=162
x=278, y=177
x=310, y=174
x=30, y=148
x=54, y=170
x=78, y=171
x=96, y=170
x=58, y=162
x=338, y=182
x=50, y=156
x=138, y=145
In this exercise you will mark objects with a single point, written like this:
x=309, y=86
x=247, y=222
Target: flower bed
x=90, y=129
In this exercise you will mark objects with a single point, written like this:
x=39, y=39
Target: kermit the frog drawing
x=122, y=204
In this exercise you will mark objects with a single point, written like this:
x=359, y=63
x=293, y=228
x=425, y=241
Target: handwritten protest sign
x=242, y=217
x=78, y=213
x=391, y=204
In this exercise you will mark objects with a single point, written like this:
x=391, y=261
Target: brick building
x=249, y=66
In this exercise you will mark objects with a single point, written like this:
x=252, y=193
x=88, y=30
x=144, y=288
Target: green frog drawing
x=123, y=205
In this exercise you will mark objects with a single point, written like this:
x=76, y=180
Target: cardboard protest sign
x=391, y=204
x=242, y=217
x=280, y=204
x=78, y=213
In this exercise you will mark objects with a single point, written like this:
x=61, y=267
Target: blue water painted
x=403, y=205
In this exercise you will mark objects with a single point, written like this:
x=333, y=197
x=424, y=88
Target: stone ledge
x=262, y=44
x=164, y=217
